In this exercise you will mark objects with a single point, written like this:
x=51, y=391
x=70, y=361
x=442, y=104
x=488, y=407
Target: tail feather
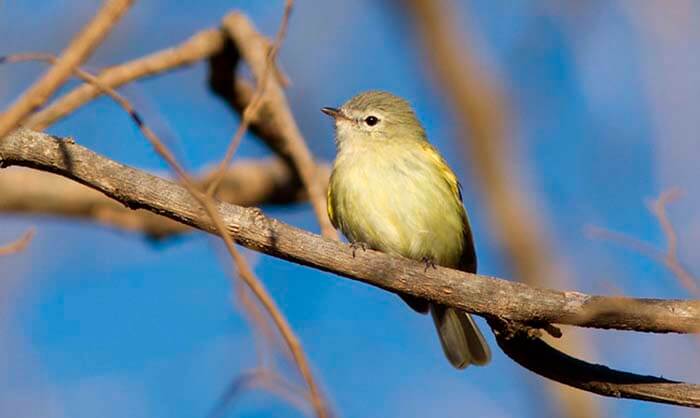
x=460, y=338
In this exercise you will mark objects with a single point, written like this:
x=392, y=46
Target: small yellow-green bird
x=390, y=190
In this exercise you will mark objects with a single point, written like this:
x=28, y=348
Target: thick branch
x=493, y=298
x=246, y=183
x=480, y=294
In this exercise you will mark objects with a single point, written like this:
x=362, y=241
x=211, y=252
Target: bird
x=390, y=190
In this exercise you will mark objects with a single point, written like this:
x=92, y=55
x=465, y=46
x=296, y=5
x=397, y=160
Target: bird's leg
x=428, y=263
x=355, y=245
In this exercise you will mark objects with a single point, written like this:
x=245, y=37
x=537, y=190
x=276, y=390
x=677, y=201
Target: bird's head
x=375, y=116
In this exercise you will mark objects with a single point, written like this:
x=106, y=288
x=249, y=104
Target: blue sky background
x=97, y=322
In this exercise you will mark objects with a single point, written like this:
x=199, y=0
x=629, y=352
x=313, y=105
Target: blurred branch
x=246, y=183
x=253, y=106
x=198, y=47
x=246, y=274
x=19, y=245
x=273, y=123
x=287, y=140
x=262, y=378
x=669, y=257
x=496, y=299
x=206, y=201
x=238, y=93
x=480, y=106
x=79, y=49
x=244, y=271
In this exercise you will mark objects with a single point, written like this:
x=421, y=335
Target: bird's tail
x=461, y=340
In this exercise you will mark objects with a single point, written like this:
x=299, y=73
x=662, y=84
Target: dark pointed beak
x=332, y=112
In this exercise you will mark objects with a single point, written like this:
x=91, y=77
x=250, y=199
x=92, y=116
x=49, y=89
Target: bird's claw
x=428, y=263
x=356, y=245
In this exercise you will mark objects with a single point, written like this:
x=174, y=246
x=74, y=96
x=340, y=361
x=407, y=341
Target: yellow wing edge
x=447, y=174
x=329, y=203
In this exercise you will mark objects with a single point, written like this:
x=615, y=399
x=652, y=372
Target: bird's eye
x=371, y=120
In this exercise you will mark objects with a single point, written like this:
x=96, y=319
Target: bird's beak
x=332, y=112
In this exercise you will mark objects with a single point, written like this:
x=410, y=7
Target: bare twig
x=671, y=260
x=273, y=130
x=276, y=130
x=198, y=47
x=253, y=107
x=493, y=298
x=263, y=378
x=263, y=333
x=207, y=202
x=253, y=47
x=669, y=257
x=78, y=50
x=19, y=245
x=244, y=271
x=248, y=276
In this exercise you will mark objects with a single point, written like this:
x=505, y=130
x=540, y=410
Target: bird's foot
x=356, y=245
x=428, y=263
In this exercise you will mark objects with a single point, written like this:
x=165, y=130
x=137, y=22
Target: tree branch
x=274, y=123
x=200, y=46
x=246, y=183
x=18, y=245
x=534, y=354
x=288, y=142
x=270, y=70
x=78, y=50
x=496, y=299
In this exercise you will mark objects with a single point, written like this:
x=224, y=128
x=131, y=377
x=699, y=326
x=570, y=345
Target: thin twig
x=264, y=378
x=263, y=334
x=290, y=143
x=671, y=260
x=77, y=51
x=253, y=107
x=241, y=265
x=19, y=245
x=668, y=257
x=198, y=47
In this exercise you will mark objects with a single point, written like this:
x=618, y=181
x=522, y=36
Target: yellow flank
x=408, y=204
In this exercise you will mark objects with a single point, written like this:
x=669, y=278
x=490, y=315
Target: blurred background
x=599, y=110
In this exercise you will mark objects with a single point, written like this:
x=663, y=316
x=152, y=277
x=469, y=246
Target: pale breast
x=402, y=206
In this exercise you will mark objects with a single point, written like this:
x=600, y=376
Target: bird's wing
x=329, y=203
x=468, y=259
x=445, y=171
